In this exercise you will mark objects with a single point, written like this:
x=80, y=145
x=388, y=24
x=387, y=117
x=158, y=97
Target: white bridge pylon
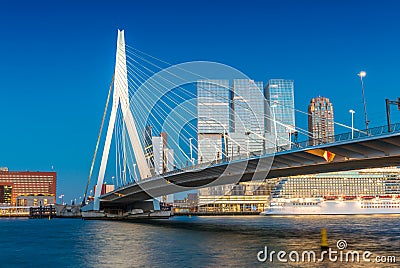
x=121, y=97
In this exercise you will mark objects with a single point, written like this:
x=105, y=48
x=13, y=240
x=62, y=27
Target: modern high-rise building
x=248, y=125
x=248, y=106
x=280, y=113
x=213, y=106
x=320, y=121
x=158, y=151
x=163, y=156
x=213, y=118
x=229, y=126
x=230, y=119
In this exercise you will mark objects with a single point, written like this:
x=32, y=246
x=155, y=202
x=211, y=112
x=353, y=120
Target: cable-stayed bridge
x=244, y=143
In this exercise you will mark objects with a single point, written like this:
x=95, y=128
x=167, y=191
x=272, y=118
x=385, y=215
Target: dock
x=42, y=212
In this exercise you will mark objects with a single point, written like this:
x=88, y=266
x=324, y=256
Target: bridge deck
x=364, y=152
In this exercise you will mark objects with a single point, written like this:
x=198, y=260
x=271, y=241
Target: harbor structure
x=244, y=197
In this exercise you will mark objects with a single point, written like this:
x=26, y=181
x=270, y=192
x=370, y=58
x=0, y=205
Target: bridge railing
x=357, y=135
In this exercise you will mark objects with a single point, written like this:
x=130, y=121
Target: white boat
x=367, y=191
x=329, y=206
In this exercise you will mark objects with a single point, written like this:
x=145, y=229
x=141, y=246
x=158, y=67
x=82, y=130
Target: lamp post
x=361, y=75
x=247, y=133
x=274, y=118
x=191, y=151
x=352, y=122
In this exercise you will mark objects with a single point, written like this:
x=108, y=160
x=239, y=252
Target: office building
x=240, y=131
x=248, y=125
x=280, y=114
x=14, y=184
x=213, y=118
x=163, y=156
x=320, y=121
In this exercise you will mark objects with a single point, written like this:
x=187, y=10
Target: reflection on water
x=189, y=242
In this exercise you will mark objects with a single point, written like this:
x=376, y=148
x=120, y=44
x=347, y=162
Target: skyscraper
x=248, y=126
x=163, y=156
x=230, y=120
x=280, y=115
x=213, y=118
x=158, y=151
x=320, y=121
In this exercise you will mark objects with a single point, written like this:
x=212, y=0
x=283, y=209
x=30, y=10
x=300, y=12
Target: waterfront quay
x=16, y=211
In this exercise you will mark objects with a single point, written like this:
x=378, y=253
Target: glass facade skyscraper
x=213, y=106
x=213, y=118
x=230, y=119
x=248, y=103
x=280, y=96
x=239, y=111
x=248, y=117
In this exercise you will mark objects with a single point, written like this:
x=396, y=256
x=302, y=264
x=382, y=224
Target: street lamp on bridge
x=191, y=151
x=352, y=122
x=362, y=74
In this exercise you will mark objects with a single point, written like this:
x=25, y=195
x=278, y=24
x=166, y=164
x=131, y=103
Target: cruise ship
x=368, y=191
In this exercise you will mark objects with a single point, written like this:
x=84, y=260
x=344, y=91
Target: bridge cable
x=306, y=113
x=98, y=140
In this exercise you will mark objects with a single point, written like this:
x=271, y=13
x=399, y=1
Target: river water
x=232, y=241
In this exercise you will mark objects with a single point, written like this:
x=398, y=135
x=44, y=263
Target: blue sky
x=57, y=59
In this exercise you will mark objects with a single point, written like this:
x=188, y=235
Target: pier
x=42, y=212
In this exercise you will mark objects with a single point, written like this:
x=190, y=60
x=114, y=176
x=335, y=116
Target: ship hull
x=336, y=208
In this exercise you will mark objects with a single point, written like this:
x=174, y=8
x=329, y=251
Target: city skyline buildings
x=321, y=121
x=214, y=118
x=248, y=117
x=323, y=58
x=163, y=155
x=281, y=111
x=246, y=102
x=241, y=117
